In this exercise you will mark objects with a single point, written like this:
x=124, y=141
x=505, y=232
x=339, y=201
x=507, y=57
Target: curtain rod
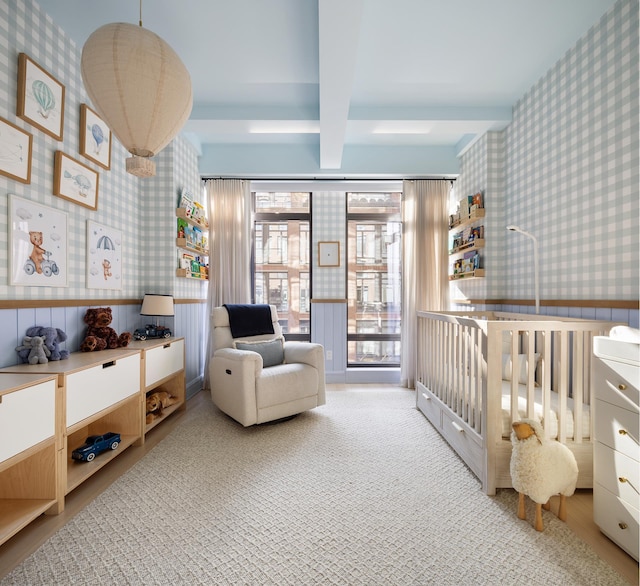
x=351, y=179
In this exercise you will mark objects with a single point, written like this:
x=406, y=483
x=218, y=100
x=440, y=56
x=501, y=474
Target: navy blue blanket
x=249, y=320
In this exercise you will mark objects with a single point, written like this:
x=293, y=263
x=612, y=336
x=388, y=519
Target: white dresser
x=616, y=458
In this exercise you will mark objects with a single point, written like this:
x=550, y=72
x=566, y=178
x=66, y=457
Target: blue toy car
x=151, y=331
x=96, y=444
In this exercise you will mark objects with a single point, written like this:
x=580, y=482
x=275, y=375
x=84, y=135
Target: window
x=282, y=241
x=374, y=278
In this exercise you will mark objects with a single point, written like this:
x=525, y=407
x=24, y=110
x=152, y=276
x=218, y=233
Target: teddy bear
x=156, y=402
x=52, y=339
x=99, y=335
x=38, y=352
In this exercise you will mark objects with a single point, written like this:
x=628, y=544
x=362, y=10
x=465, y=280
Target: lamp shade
x=139, y=86
x=157, y=305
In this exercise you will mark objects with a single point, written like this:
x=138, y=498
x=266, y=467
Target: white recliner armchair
x=259, y=377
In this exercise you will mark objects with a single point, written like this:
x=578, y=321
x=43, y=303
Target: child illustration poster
x=38, y=244
x=104, y=257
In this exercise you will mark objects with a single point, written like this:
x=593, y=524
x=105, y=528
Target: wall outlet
x=329, y=355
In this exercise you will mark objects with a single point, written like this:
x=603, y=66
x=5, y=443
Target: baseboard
x=194, y=386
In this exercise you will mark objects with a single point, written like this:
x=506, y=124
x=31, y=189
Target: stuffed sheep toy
x=38, y=352
x=540, y=468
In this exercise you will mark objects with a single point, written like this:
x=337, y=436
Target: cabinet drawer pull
x=167, y=345
x=622, y=479
x=622, y=387
x=108, y=364
x=622, y=431
x=424, y=396
x=457, y=427
x=622, y=525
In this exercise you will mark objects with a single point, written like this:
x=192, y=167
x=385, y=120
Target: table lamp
x=157, y=305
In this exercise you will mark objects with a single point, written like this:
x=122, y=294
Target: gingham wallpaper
x=144, y=210
x=571, y=175
x=329, y=224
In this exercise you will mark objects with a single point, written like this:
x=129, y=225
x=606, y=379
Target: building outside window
x=374, y=278
x=281, y=255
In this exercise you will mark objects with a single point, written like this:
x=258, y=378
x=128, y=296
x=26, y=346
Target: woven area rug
x=362, y=491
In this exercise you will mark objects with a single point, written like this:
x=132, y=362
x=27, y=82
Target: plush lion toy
x=99, y=335
x=156, y=402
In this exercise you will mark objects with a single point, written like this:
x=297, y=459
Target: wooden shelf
x=182, y=243
x=476, y=244
x=78, y=472
x=182, y=214
x=189, y=275
x=478, y=273
x=18, y=513
x=476, y=215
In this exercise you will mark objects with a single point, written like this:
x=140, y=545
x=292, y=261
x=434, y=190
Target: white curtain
x=425, y=281
x=230, y=225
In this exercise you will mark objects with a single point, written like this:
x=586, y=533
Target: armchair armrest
x=311, y=354
x=241, y=357
x=232, y=375
x=305, y=352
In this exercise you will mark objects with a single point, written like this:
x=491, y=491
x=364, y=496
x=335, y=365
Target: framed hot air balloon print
x=40, y=97
x=104, y=257
x=95, y=137
x=74, y=181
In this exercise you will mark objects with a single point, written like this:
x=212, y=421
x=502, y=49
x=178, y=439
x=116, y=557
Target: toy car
x=96, y=444
x=151, y=331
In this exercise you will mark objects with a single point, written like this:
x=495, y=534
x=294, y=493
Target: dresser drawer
x=617, y=428
x=617, y=473
x=617, y=383
x=93, y=389
x=163, y=361
x=616, y=519
x=27, y=417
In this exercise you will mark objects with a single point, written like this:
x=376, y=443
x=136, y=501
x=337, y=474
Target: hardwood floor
x=580, y=506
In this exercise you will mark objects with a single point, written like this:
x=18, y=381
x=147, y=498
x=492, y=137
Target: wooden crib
x=465, y=387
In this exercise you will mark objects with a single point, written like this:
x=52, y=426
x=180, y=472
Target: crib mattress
x=550, y=426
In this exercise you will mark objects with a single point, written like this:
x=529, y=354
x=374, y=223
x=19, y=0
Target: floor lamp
x=513, y=228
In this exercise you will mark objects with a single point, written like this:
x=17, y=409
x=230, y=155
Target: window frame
x=354, y=337
x=284, y=217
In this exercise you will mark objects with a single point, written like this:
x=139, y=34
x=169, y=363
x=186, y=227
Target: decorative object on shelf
x=99, y=335
x=75, y=182
x=95, y=137
x=540, y=468
x=40, y=98
x=151, y=331
x=157, y=305
x=38, y=353
x=329, y=254
x=139, y=86
x=536, y=273
x=104, y=257
x=156, y=402
x=96, y=444
x=15, y=152
x=37, y=244
x=52, y=339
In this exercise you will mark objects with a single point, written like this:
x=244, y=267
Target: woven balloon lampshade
x=140, y=87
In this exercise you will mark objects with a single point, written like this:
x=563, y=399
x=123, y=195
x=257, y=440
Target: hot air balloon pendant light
x=140, y=88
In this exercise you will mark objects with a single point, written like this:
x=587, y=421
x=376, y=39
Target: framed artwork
x=104, y=257
x=95, y=137
x=329, y=254
x=40, y=97
x=74, y=181
x=37, y=244
x=15, y=152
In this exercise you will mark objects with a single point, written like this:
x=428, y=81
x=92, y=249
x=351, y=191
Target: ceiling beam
x=338, y=32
